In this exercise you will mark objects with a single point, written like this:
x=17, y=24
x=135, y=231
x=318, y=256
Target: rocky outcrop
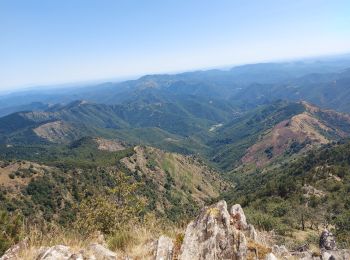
x=213, y=236
x=327, y=240
x=219, y=234
x=165, y=248
x=238, y=217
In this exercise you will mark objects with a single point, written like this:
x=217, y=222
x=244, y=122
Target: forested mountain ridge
x=276, y=130
x=221, y=133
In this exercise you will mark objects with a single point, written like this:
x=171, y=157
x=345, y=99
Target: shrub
x=11, y=230
x=119, y=240
x=110, y=213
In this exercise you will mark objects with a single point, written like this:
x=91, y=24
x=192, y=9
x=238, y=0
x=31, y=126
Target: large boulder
x=327, y=240
x=211, y=236
x=165, y=248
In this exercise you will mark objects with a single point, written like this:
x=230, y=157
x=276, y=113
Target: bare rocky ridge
x=55, y=132
x=109, y=145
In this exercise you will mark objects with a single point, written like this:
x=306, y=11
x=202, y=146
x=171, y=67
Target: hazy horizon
x=61, y=42
x=92, y=82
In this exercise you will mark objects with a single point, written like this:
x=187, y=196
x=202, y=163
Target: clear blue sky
x=56, y=41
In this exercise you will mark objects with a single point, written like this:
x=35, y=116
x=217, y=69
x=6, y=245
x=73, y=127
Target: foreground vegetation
x=308, y=193
x=80, y=188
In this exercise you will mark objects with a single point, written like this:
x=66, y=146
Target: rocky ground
x=216, y=233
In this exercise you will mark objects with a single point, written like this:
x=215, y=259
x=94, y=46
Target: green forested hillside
x=182, y=116
x=307, y=193
x=221, y=133
x=49, y=181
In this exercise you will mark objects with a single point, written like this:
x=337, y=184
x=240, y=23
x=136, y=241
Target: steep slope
x=276, y=130
x=302, y=131
x=47, y=182
x=299, y=196
x=232, y=140
x=176, y=176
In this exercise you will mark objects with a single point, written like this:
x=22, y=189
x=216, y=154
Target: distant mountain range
x=311, y=80
x=227, y=116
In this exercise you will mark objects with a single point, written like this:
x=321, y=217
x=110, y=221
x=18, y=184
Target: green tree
x=111, y=212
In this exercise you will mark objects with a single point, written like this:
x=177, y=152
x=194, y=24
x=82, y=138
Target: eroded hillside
x=313, y=127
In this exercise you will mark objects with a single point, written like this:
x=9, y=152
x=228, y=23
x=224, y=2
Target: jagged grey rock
x=211, y=236
x=13, y=251
x=102, y=253
x=327, y=240
x=59, y=252
x=252, y=234
x=165, y=248
x=238, y=216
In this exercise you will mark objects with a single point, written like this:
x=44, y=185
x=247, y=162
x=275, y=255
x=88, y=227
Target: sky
x=59, y=41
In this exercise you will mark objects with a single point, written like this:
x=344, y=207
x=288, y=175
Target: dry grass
x=136, y=241
x=145, y=237
x=257, y=250
x=51, y=235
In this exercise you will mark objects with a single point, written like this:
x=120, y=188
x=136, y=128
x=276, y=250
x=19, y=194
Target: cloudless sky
x=56, y=41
